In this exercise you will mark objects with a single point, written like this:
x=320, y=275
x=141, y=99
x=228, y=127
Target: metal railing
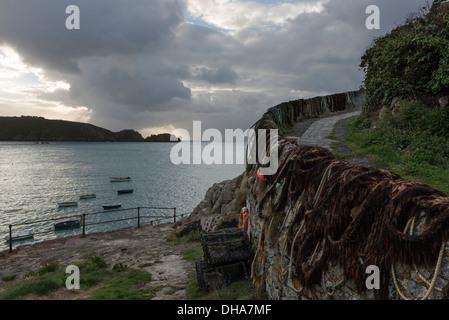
x=83, y=223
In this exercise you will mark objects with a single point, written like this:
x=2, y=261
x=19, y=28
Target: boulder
x=220, y=206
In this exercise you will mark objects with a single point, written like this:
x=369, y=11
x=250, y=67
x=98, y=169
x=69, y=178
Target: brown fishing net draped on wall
x=355, y=216
x=351, y=215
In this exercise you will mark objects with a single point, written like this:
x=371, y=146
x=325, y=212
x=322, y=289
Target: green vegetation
x=99, y=282
x=240, y=290
x=402, y=123
x=410, y=62
x=414, y=142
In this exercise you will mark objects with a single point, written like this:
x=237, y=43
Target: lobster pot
x=226, y=246
x=212, y=277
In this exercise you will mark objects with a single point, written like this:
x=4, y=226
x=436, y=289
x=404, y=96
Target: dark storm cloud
x=147, y=84
x=222, y=74
x=139, y=64
x=37, y=29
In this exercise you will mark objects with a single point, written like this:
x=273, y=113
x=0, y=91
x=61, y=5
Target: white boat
x=22, y=236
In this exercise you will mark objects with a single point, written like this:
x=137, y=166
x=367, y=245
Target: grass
x=405, y=154
x=100, y=282
x=240, y=290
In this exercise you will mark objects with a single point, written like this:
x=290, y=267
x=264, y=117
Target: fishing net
x=353, y=216
x=344, y=214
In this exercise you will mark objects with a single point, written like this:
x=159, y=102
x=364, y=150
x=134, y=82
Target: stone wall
x=319, y=224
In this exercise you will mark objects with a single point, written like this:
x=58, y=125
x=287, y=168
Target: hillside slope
x=27, y=128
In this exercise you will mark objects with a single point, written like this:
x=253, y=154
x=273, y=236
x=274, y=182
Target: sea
x=35, y=177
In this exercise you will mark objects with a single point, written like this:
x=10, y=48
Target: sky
x=158, y=65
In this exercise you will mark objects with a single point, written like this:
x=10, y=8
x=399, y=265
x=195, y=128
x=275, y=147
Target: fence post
x=138, y=217
x=174, y=215
x=83, y=219
x=10, y=237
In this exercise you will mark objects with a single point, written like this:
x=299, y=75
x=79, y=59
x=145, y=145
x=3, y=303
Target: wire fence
x=84, y=220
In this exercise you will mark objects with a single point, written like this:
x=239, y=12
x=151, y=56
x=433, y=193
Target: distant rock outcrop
x=163, y=137
x=128, y=136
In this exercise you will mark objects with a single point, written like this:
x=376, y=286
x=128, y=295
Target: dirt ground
x=131, y=246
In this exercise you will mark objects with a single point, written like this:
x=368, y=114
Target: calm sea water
x=34, y=178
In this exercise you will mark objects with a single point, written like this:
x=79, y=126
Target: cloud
x=235, y=15
x=37, y=29
x=222, y=74
x=149, y=64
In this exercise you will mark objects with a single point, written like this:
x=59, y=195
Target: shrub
x=412, y=61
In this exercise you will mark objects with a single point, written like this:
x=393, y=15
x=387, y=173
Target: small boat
x=88, y=196
x=112, y=206
x=67, y=204
x=120, y=179
x=22, y=236
x=67, y=225
x=125, y=191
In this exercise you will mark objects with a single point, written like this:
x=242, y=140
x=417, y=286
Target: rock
x=218, y=209
x=395, y=106
x=384, y=112
x=444, y=101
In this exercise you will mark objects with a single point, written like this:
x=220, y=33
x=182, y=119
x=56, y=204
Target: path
x=318, y=132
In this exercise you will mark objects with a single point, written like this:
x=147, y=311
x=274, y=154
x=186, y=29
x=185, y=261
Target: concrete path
x=318, y=131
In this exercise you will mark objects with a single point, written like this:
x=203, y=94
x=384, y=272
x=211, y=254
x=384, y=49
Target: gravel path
x=318, y=131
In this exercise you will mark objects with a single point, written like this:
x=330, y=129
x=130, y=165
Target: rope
x=289, y=279
x=254, y=272
x=323, y=182
x=435, y=274
x=334, y=286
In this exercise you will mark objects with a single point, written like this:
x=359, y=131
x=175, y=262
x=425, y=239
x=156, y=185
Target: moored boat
x=67, y=204
x=88, y=196
x=112, y=206
x=125, y=191
x=120, y=179
x=67, y=225
x=22, y=236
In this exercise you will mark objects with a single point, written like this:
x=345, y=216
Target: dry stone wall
x=322, y=228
